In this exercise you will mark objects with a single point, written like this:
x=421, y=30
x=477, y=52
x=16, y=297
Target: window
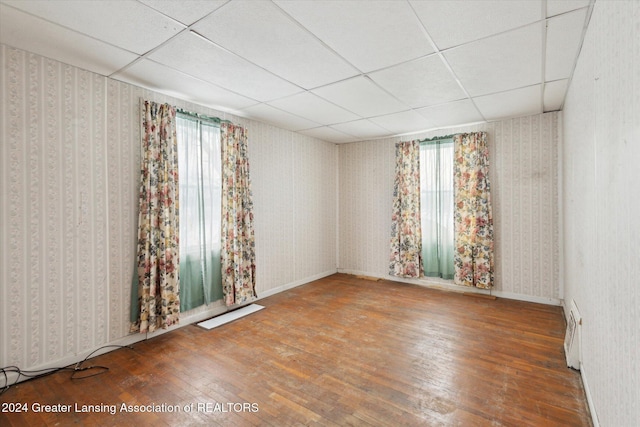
x=436, y=206
x=200, y=178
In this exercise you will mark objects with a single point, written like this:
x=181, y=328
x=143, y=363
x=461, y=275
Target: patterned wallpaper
x=294, y=183
x=68, y=181
x=69, y=165
x=524, y=184
x=601, y=205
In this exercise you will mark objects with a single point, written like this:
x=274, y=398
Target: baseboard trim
x=13, y=378
x=215, y=309
x=587, y=392
x=294, y=284
x=446, y=286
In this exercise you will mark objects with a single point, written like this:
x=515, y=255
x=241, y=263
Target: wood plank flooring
x=339, y=351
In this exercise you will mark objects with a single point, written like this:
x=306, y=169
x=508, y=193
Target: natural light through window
x=436, y=205
x=200, y=177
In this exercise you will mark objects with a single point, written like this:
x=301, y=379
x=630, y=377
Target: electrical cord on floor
x=22, y=373
x=101, y=369
x=98, y=370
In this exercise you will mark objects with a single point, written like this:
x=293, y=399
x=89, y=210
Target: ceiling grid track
x=338, y=71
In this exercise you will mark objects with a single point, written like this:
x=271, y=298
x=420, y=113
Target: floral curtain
x=406, y=236
x=158, y=226
x=238, y=241
x=473, y=221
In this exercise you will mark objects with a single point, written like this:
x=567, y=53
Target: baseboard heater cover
x=572, y=337
x=230, y=316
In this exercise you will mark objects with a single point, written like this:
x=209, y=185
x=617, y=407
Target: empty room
x=296, y=212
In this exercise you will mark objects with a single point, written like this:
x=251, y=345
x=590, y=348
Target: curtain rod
x=216, y=120
x=437, y=138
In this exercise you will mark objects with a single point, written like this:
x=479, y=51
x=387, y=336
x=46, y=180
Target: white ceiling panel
x=361, y=96
x=27, y=32
x=185, y=11
x=564, y=35
x=419, y=83
x=158, y=77
x=127, y=24
x=339, y=70
x=452, y=113
x=269, y=38
x=369, y=34
x=329, y=134
x=501, y=62
x=556, y=7
x=452, y=23
x=314, y=108
x=269, y=114
x=222, y=68
x=554, y=93
x=404, y=122
x=513, y=103
x=363, y=129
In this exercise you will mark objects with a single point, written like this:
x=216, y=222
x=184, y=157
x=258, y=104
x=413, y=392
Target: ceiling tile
x=363, y=129
x=127, y=24
x=220, y=67
x=328, y=134
x=499, y=63
x=166, y=80
x=513, y=103
x=452, y=23
x=369, y=34
x=309, y=65
x=403, y=122
x=554, y=93
x=269, y=114
x=314, y=108
x=420, y=83
x=564, y=35
x=452, y=113
x=361, y=96
x=27, y=32
x=268, y=37
x=556, y=7
x=185, y=11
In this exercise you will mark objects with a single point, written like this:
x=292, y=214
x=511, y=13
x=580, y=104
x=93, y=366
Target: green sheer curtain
x=200, y=164
x=437, y=207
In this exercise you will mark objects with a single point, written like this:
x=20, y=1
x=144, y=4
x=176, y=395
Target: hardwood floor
x=339, y=351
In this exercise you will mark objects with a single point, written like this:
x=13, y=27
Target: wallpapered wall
x=601, y=204
x=524, y=184
x=69, y=164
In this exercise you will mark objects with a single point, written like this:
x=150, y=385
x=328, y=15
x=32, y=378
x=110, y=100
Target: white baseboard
x=435, y=283
x=587, y=392
x=12, y=377
x=565, y=310
x=294, y=284
x=216, y=309
x=110, y=346
x=528, y=298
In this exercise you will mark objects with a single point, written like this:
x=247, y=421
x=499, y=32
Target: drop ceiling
x=340, y=71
